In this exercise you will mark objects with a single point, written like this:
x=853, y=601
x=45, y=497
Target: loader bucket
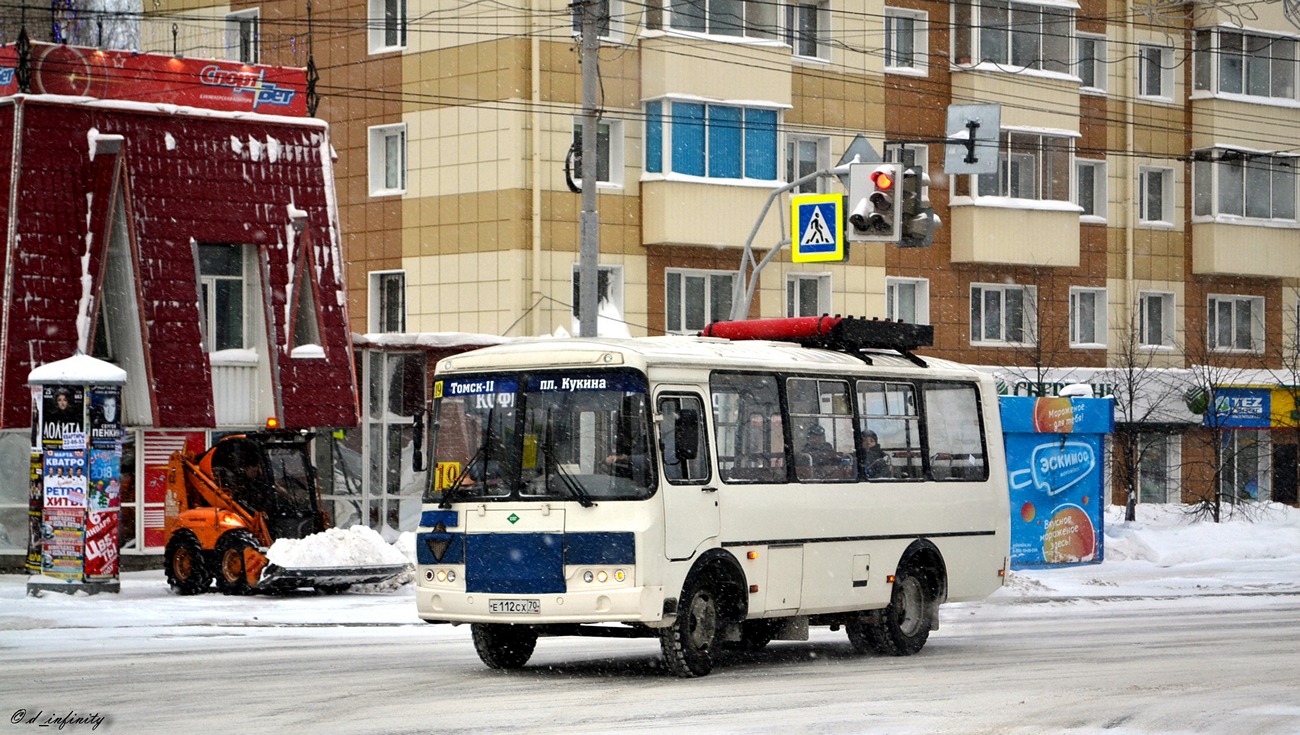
x=275, y=577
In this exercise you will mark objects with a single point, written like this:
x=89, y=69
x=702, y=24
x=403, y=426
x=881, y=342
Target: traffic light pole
x=589, y=219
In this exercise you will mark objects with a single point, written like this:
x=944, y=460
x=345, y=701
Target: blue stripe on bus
x=522, y=563
x=599, y=548
x=515, y=563
x=431, y=518
x=440, y=548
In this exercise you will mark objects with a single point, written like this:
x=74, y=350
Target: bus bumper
x=626, y=605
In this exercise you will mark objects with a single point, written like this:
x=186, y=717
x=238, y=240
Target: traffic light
x=873, y=216
x=917, y=216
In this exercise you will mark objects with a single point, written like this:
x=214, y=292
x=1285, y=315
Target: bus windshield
x=582, y=437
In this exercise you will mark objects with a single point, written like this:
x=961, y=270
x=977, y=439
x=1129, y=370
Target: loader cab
x=272, y=474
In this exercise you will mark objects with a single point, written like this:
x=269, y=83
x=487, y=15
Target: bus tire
x=864, y=633
x=690, y=643
x=502, y=646
x=902, y=628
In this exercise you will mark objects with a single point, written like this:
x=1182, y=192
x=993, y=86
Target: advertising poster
x=101, y=545
x=35, y=505
x=63, y=410
x=63, y=536
x=104, y=503
x=65, y=478
x=1055, y=468
x=105, y=416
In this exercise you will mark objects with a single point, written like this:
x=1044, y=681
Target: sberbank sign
x=1047, y=388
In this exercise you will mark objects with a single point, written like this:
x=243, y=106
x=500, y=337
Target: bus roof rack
x=851, y=335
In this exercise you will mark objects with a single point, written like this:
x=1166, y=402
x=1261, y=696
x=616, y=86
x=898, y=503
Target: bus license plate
x=526, y=607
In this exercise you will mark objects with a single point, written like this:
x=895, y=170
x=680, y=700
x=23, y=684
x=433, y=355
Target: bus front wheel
x=690, y=642
x=502, y=646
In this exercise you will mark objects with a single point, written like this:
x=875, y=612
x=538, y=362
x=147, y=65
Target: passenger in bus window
x=875, y=463
x=820, y=450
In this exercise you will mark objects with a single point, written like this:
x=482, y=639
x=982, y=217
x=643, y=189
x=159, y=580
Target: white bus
x=674, y=487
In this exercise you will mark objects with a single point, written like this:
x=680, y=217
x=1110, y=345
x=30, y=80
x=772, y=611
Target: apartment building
x=1142, y=215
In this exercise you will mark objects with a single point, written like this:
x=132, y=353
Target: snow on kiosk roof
x=124, y=167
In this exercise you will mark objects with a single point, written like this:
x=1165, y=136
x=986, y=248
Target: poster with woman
x=63, y=411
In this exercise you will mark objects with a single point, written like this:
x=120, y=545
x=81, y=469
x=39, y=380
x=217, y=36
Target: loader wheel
x=232, y=579
x=186, y=571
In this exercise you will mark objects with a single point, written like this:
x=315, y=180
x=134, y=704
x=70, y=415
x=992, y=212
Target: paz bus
x=716, y=491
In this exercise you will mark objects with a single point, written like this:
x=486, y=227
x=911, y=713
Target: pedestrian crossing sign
x=817, y=234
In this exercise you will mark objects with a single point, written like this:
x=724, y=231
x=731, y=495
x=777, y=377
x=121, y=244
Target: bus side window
x=747, y=427
x=955, y=432
x=683, y=443
x=889, y=429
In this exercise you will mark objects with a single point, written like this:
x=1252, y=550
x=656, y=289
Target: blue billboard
x=1055, y=469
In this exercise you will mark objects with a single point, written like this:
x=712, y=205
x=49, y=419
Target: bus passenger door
x=689, y=490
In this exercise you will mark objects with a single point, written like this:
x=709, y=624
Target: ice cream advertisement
x=1054, y=474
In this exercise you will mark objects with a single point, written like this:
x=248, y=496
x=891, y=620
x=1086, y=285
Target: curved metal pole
x=744, y=293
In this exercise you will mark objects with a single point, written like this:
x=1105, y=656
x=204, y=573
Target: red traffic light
x=883, y=180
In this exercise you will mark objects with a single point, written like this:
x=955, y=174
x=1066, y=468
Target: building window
x=1229, y=61
x=1156, y=196
x=695, y=299
x=804, y=155
x=711, y=141
x=1087, y=317
x=1157, y=468
x=1030, y=166
x=1156, y=319
x=387, y=25
x=221, y=296
x=906, y=40
x=242, y=36
x=807, y=295
x=1092, y=62
x=1235, y=323
x=1245, y=456
x=388, y=160
x=907, y=300
x=1002, y=315
x=602, y=18
x=1257, y=186
x=388, y=301
x=1155, y=72
x=1090, y=188
x=806, y=27
x=1016, y=35
x=609, y=152
x=738, y=18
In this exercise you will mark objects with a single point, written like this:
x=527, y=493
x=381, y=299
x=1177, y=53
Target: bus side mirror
x=686, y=434
x=417, y=442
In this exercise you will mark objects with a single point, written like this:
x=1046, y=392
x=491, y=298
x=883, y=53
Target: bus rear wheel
x=690, y=642
x=902, y=628
x=502, y=646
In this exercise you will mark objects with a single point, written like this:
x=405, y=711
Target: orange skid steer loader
x=230, y=503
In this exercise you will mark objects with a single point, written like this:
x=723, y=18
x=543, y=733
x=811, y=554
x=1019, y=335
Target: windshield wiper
x=479, y=456
x=570, y=483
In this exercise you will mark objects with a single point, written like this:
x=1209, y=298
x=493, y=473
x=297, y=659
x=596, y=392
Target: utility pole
x=589, y=220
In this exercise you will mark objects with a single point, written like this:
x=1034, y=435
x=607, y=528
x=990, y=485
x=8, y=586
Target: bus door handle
x=707, y=489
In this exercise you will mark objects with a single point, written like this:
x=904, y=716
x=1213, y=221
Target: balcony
x=1010, y=233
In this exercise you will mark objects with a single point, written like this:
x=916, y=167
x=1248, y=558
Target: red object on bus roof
x=789, y=328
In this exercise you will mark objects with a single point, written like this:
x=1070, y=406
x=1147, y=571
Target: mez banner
x=1055, y=470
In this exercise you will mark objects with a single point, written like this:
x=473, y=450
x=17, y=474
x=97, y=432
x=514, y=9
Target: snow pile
x=357, y=546
x=1168, y=535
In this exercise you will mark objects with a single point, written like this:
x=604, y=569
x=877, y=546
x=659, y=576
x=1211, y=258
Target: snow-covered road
x=1184, y=629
